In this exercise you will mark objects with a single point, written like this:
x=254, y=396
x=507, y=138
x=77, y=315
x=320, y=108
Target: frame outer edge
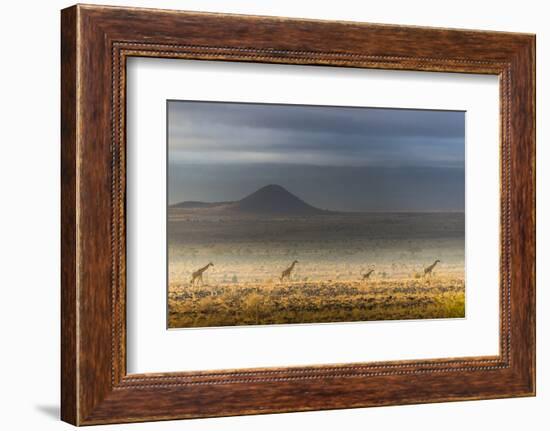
x=533, y=53
x=69, y=201
x=532, y=80
x=523, y=214
x=530, y=63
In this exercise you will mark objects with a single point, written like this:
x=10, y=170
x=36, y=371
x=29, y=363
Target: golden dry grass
x=254, y=303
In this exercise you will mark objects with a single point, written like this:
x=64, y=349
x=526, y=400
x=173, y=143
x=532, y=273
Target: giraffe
x=197, y=275
x=428, y=270
x=286, y=273
x=367, y=275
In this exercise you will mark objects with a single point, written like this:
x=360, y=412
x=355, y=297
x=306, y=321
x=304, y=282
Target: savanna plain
x=344, y=267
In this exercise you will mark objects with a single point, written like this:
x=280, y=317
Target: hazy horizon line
x=171, y=206
x=402, y=211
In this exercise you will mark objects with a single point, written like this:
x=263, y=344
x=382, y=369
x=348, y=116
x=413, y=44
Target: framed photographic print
x=265, y=215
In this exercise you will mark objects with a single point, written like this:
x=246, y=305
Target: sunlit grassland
x=441, y=296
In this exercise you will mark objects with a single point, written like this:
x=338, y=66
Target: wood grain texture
x=96, y=41
x=69, y=366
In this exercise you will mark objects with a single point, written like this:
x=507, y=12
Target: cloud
x=206, y=132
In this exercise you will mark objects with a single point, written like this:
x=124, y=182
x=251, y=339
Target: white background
x=151, y=348
x=29, y=227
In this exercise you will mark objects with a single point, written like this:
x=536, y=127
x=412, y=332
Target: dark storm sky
x=348, y=159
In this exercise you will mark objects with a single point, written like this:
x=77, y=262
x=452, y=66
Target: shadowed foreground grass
x=315, y=302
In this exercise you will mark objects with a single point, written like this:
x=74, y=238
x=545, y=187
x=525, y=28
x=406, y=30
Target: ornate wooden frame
x=96, y=41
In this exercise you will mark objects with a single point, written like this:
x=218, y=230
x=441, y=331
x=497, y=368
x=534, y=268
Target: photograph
x=292, y=214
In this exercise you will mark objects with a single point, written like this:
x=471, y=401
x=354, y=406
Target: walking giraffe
x=429, y=269
x=367, y=275
x=286, y=273
x=197, y=275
